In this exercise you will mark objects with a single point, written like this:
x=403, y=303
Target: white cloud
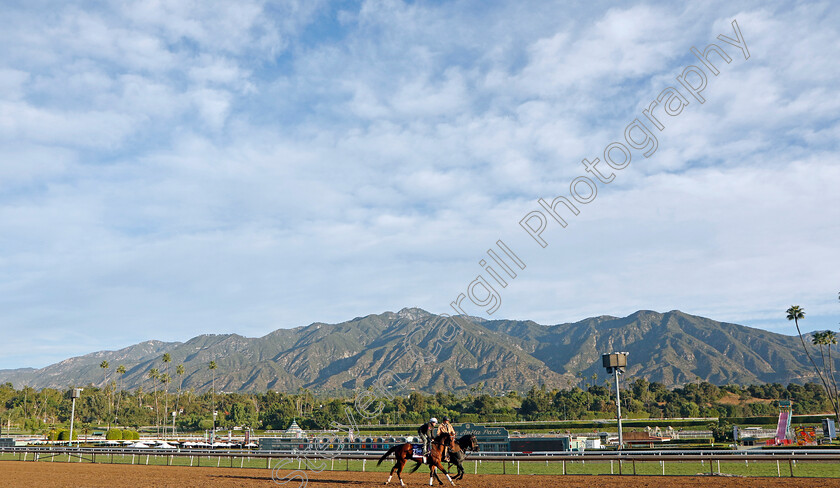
x=180, y=168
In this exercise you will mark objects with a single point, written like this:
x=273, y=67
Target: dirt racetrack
x=80, y=475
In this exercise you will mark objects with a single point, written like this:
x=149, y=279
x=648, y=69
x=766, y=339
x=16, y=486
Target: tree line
x=48, y=410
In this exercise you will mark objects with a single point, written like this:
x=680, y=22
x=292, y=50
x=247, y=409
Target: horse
x=458, y=454
x=402, y=453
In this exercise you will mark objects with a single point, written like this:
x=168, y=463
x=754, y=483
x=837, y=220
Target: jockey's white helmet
x=433, y=420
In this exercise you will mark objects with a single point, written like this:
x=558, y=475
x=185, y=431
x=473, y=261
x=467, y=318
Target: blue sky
x=177, y=168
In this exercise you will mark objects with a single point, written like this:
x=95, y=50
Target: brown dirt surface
x=14, y=474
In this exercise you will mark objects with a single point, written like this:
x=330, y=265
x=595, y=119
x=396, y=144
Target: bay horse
x=458, y=453
x=402, y=453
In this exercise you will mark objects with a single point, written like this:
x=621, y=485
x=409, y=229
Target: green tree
x=721, y=431
x=120, y=372
x=179, y=370
x=484, y=405
x=830, y=339
x=416, y=402
x=537, y=403
x=104, y=365
x=795, y=312
x=165, y=379
x=824, y=340
x=154, y=374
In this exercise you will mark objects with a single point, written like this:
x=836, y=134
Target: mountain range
x=673, y=348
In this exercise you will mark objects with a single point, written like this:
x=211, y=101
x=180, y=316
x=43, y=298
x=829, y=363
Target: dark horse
x=402, y=452
x=459, y=453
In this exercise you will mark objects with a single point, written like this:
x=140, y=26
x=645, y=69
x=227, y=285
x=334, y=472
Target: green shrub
x=64, y=435
x=130, y=435
x=114, y=435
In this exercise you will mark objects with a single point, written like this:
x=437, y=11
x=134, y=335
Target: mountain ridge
x=672, y=348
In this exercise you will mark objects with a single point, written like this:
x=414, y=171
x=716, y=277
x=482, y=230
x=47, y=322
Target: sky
x=169, y=169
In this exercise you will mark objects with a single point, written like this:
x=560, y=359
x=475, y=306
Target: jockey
x=426, y=433
x=446, y=427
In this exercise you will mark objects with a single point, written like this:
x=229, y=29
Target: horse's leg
x=459, y=459
x=399, y=473
x=391, y=474
x=440, y=466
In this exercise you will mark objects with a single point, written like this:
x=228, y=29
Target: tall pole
x=72, y=415
x=616, y=363
x=74, y=394
x=618, y=409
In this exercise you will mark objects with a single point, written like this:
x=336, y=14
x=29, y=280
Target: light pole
x=615, y=363
x=74, y=394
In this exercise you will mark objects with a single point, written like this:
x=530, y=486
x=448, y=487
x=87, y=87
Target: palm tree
x=167, y=359
x=213, y=399
x=830, y=339
x=795, y=312
x=120, y=372
x=819, y=340
x=104, y=365
x=154, y=374
x=164, y=380
x=179, y=370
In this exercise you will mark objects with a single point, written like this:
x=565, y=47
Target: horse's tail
x=390, y=451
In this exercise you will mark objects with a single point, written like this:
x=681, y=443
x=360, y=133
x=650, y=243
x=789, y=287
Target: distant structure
x=294, y=430
x=783, y=426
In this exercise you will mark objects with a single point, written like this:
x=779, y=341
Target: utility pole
x=74, y=394
x=616, y=363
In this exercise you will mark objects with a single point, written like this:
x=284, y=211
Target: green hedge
x=130, y=435
x=64, y=435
